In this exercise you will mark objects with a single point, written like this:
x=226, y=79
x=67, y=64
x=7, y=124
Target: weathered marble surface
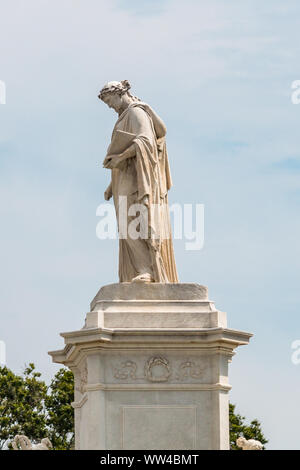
x=154, y=305
x=151, y=369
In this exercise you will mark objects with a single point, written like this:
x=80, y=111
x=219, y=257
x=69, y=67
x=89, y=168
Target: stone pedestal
x=151, y=369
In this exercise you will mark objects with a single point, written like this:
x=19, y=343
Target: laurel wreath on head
x=115, y=87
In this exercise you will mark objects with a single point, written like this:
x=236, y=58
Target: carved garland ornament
x=82, y=379
x=127, y=370
x=189, y=369
x=158, y=369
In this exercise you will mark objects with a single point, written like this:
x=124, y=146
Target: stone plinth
x=151, y=369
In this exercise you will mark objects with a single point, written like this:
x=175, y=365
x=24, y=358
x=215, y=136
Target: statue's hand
x=116, y=162
x=108, y=193
x=109, y=159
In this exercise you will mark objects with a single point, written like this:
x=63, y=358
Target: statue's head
x=116, y=95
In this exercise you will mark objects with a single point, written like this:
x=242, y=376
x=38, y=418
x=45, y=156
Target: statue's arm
x=108, y=192
x=128, y=153
x=140, y=126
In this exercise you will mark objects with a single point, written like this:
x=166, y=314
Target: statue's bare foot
x=145, y=277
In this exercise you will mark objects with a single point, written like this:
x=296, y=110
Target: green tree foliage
x=60, y=413
x=21, y=404
x=238, y=428
x=28, y=406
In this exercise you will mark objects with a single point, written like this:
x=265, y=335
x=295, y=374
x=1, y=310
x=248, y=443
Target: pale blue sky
x=219, y=73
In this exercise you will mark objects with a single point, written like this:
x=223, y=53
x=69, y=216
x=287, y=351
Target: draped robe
x=145, y=174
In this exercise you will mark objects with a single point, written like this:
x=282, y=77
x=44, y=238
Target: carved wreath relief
x=158, y=369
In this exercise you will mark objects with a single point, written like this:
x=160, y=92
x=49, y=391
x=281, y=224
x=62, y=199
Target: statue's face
x=113, y=100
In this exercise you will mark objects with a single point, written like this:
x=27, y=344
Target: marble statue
x=22, y=442
x=140, y=177
x=150, y=363
x=251, y=444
